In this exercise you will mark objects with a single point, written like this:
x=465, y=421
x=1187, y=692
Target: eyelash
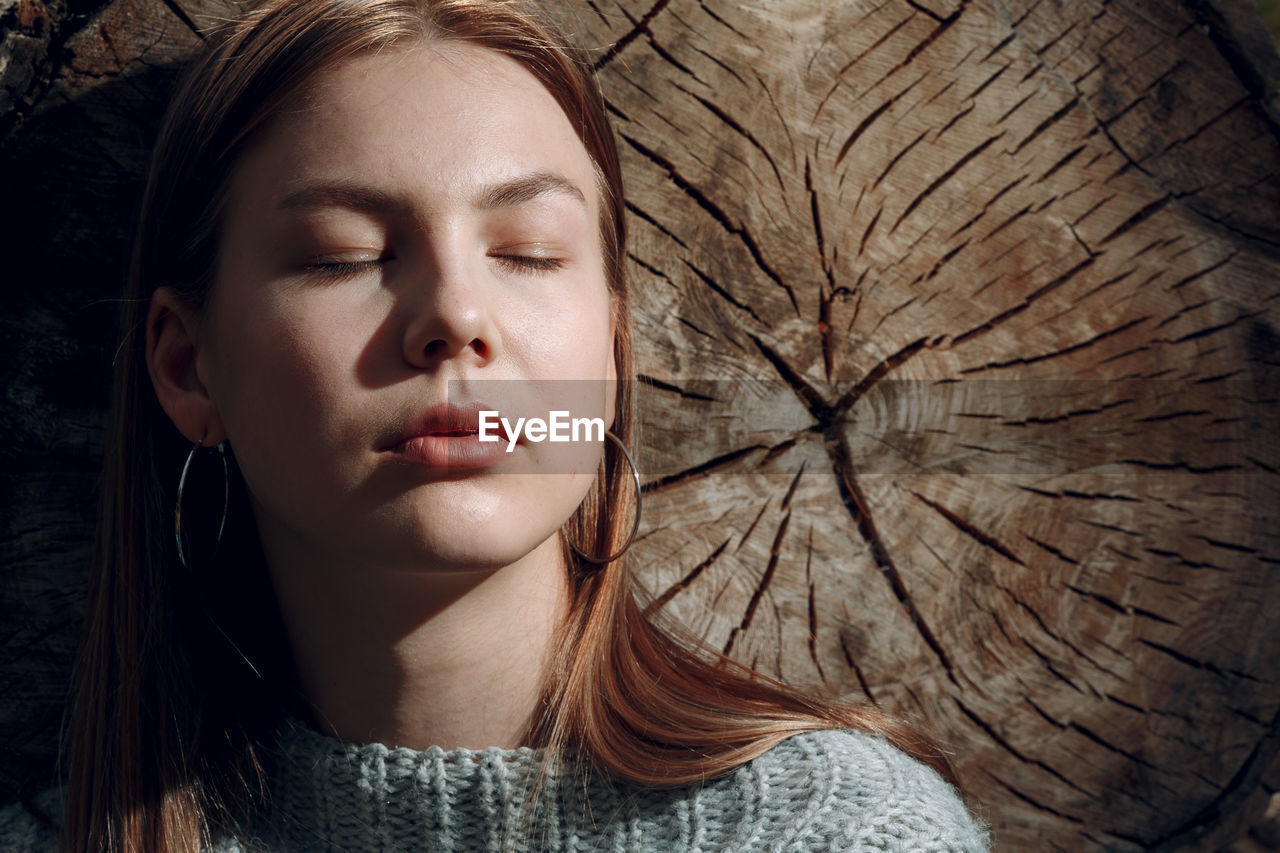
x=529, y=263
x=343, y=269
x=512, y=263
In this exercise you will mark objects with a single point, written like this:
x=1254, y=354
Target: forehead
x=435, y=118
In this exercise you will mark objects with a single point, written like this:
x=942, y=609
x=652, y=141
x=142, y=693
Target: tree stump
x=957, y=326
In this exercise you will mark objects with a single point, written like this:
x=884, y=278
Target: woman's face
x=411, y=228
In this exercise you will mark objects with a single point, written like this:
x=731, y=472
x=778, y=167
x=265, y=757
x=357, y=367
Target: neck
x=419, y=658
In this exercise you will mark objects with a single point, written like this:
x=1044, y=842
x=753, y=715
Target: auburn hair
x=183, y=676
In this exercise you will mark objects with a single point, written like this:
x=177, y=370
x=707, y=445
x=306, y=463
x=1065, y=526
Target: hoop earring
x=635, y=524
x=182, y=484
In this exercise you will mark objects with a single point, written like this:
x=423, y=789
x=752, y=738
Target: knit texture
x=819, y=791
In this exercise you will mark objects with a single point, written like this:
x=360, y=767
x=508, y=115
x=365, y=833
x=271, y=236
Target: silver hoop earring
x=635, y=524
x=182, y=484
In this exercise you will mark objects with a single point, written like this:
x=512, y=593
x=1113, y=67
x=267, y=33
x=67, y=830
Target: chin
x=456, y=549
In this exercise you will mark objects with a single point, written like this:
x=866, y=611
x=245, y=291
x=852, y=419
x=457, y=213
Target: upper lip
x=445, y=419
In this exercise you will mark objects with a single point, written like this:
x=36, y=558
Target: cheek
x=566, y=335
x=278, y=378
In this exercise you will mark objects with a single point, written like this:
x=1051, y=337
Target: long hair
x=184, y=675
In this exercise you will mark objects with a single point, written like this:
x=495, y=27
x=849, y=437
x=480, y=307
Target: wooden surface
x=959, y=326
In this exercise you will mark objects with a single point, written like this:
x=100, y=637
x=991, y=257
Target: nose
x=450, y=315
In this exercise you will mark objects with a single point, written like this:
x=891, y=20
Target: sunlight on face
x=415, y=224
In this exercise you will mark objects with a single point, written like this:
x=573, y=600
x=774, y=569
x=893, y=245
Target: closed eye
x=528, y=263
x=345, y=269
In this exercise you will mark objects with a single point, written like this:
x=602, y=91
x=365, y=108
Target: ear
x=172, y=349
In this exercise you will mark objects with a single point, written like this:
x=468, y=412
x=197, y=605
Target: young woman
x=324, y=614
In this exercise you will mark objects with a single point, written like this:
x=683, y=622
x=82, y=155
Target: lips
x=447, y=437
x=445, y=420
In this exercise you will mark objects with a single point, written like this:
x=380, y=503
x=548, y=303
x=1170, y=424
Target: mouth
x=448, y=436
x=443, y=420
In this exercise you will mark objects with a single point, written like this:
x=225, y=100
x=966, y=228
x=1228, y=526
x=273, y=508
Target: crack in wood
x=1208, y=330
x=838, y=79
x=1025, y=360
x=813, y=607
x=617, y=113
x=1207, y=666
x=646, y=379
x=1048, y=123
x=740, y=130
x=857, y=671
x=722, y=22
x=871, y=118
x=1059, y=163
x=1172, y=555
x=655, y=223
x=999, y=46
x=1196, y=275
x=906, y=149
x=699, y=470
x=825, y=296
x=1100, y=741
x=944, y=24
x=882, y=369
x=1045, y=48
x=1022, y=306
x=1169, y=416
x=1008, y=747
x=987, y=206
x=943, y=178
x=713, y=58
x=752, y=526
x=952, y=122
x=717, y=214
x=862, y=245
x=761, y=587
x=937, y=266
x=638, y=27
x=1074, y=413
x=1145, y=213
x=1089, y=496
x=1191, y=137
x=856, y=503
x=813, y=401
x=650, y=268
x=971, y=530
x=924, y=10
x=1017, y=106
x=791, y=490
x=1180, y=466
x=1045, y=546
x=182, y=15
x=723, y=291
x=684, y=582
x=1126, y=609
x=1230, y=546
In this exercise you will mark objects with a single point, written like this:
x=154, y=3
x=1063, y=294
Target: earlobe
x=171, y=361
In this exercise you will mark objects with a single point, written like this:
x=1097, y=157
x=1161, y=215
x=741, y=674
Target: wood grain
x=958, y=340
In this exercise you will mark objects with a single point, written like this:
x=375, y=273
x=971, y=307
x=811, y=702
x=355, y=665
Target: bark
x=956, y=322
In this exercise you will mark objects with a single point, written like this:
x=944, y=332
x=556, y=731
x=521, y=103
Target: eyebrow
x=351, y=196
x=365, y=199
x=527, y=188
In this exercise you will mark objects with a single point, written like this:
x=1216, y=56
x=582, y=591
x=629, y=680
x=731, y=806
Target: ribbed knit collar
x=828, y=790
x=330, y=795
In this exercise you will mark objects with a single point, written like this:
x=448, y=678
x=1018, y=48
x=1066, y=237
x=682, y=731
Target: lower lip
x=452, y=452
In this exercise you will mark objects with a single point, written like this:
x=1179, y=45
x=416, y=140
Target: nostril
x=434, y=347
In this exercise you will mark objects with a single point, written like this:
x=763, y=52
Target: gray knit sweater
x=828, y=791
